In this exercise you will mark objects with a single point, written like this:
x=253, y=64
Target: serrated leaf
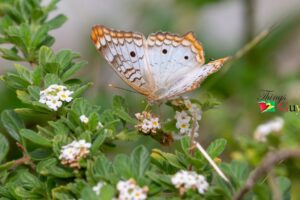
x=10, y=55
x=52, y=79
x=74, y=68
x=12, y=123
x=124, y=116
x=35, y=138
x=4, y=147
x=98, y=141
x=88, y=194
x=216, y=147
x=140, y=160
x=81, y=89
x=56, y=22
x=108, y=192
x=46, y=55
x=51, y=167
x=101, y=168
x=122, y=166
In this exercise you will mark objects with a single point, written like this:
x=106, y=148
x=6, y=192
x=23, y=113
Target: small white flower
x=97, y=188
x=184, y=180
x=148, y=123
x=84, y=119
x=99, y=125
x=68, y=153
x=71, y=153
x=201, y=184
x=196, y=111
x=183, y=126
x=182, y=116
x=65, y=95
x=146, y=126
x=263, y=130
x=53, y=104
x=54, y=96
x=155, y=122
x=129, y=190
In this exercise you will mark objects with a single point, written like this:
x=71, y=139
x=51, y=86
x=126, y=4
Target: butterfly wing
x=177, y=64
x=125, y=53
x=191, y=80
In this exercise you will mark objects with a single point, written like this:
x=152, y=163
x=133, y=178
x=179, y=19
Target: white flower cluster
x=55, y=95
x=129, y=190
x=185, y=118
x=185, y=180
x=263, y=130
x=70, y=154
x=147, y=122
x=97, y=188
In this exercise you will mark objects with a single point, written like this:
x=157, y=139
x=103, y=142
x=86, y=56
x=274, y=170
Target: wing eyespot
x=132, y=54
x=164, y=51
x=186, y=57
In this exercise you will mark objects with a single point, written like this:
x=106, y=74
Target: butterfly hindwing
x=192, y=79
x=125, y=53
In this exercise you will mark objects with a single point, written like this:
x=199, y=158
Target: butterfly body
x=160, y=67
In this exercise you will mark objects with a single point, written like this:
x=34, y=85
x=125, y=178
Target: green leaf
x=24, y=96
x=285, y=186
x=140, y=160
x=88, y=194
x=35, y=138
x=4, y=147
x=74, y=68
x=169, y=157
x=41, y=154
x=125, y=116
x=122, y=166
x=10, y=55
x=83, y=107
x=108, y=192
x=119, y=103
x=185, y=144
x=15, y=81
x=12, y=123
x=56, y=22
x=127, y=135
x=52, y=79
x=98, y=141
x=24, y=73
x=51, y=167
x=81, y=89
x=216, y=147
x=46, y=55
x=100, y=168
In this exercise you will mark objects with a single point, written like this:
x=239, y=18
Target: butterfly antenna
x=120, y=88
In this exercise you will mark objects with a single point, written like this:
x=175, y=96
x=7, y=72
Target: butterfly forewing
x=125, y=52
x=171, y=57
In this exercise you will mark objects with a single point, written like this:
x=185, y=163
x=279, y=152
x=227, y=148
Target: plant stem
x=270, y=160
x=192, y=149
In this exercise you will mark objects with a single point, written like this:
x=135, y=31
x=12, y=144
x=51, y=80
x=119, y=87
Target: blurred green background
x=223, y=27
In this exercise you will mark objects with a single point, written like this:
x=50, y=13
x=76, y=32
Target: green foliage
x=42, y=134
